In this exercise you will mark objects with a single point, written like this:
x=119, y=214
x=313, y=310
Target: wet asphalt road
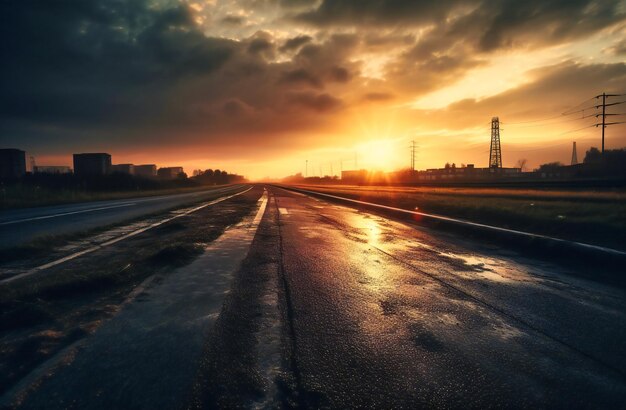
x=386, y=315
x=19, y=226
x=336, y=308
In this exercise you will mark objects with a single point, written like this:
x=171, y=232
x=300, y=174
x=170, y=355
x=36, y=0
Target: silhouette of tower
x=413, y=155
x=495, y=153
x=574, y=154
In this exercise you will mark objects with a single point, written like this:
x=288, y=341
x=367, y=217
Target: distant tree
x=453, y=165
x=208, y=173
x=550, y=167
x=521, y=163
x=197, y=172
x=593, y=156
x=447, y=165
x=181, y=175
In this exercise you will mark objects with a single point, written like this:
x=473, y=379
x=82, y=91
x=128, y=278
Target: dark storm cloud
x=339, y=74
x=300, y=76
x=377, y=12
x=233, y=20
x=127, y=73
x=297, y=4
x=259, y=45
x=316, y=102
x=295, y=43
x=87, y=61
x=132, y=72
x=487, y=24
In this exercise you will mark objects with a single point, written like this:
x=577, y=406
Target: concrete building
x=12, y=163
x=123, y=169
x=146, y=170
x=91, y=164
x=169, y=172
x=51, y=169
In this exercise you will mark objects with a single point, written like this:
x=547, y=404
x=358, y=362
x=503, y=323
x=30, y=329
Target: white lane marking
x=283, y=211
x=463, y=222
x=257, y=219
x=66, y=213
x=121, y=238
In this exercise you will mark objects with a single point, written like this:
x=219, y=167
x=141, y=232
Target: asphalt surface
x=19, y=226
x=330, y=307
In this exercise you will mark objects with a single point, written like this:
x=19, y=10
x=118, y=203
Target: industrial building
x=12, y=163
x=145, y=170
x=123, y=169
x=468, y=172
x=359, y=176
x=169, y=172
x=92, y=164
x=51, y=169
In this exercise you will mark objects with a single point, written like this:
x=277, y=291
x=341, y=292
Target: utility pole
x=603, y=118
x=605, y=114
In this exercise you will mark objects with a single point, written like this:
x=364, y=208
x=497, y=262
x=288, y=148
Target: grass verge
x=597, y=218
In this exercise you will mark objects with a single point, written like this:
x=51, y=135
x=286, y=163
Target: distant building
x=354, y=177
x=123, y=169
x=169, y=172
x=91, y=164
x=51, y=169
x=468, y=172
x=146, y=170
x=12, y=163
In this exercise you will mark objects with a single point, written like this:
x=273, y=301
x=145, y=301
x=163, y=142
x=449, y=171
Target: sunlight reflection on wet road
x=390, y=315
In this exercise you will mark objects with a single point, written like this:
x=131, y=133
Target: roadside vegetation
x=42, y=314
x=53, y=189
x=596, y=217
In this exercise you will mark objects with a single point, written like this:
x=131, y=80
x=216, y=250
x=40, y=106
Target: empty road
x=19, y=226
x=315, y=305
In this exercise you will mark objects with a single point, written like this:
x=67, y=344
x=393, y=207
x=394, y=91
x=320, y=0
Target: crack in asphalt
x=289, y=308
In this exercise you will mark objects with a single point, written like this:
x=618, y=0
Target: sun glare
x=377, y=154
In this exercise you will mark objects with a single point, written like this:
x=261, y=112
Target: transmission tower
x=413, y=148
x=574, y=154
x=495, y=152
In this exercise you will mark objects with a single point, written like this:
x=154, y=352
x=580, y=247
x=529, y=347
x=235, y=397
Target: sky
x=260, y=87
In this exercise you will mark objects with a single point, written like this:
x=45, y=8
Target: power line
x=578, y=129
x=548, y=123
